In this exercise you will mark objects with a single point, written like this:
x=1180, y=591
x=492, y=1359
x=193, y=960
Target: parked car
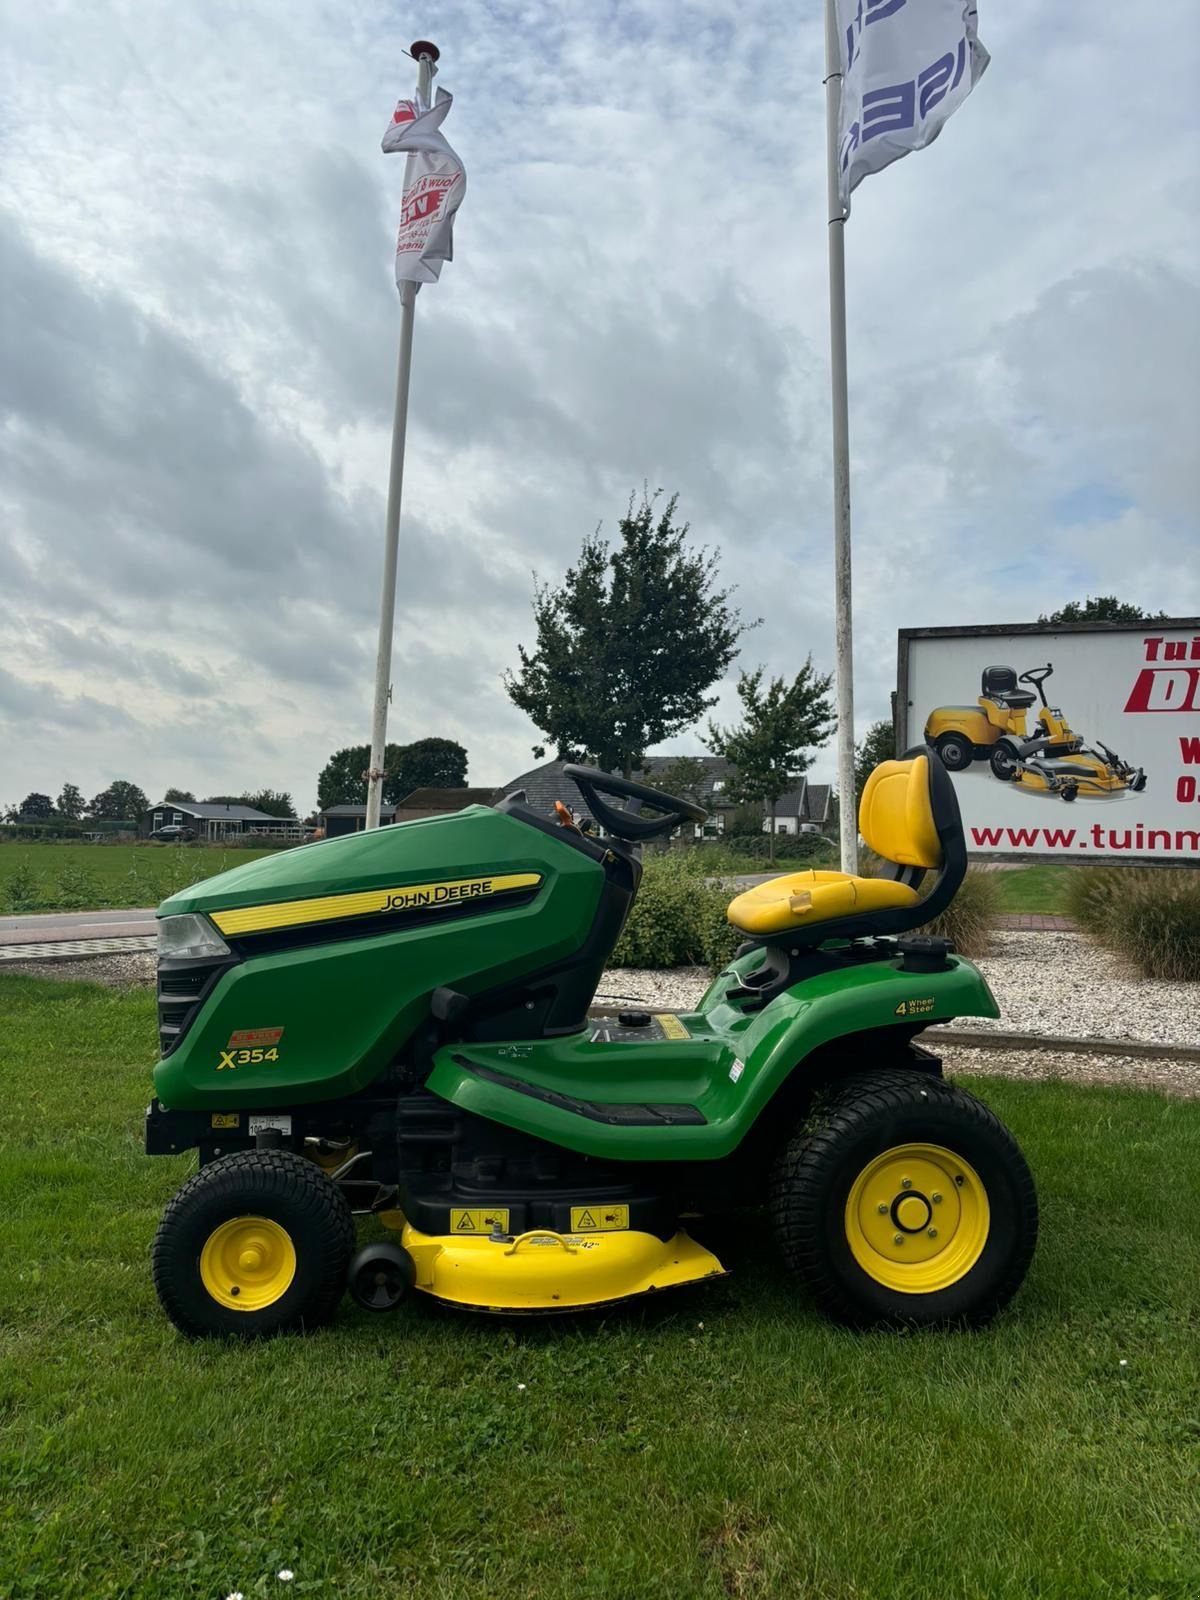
x=173, y=833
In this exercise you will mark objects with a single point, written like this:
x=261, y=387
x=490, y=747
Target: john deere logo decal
x=371, y=902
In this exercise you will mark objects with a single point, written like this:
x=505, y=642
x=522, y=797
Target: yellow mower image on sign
x=1053, y=759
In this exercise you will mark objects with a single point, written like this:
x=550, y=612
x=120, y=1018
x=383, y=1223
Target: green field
x=724, y=1442
x=1034, y=889
x=88, y=877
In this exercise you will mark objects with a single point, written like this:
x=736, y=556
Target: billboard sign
x=1073, y=742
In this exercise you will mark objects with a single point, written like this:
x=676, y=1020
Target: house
x=438, y=802
x=216, y=822
x=804, y=809
x=337, y=820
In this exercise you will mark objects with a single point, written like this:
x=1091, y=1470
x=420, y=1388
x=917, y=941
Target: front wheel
x=255, y=1243
x=906, y=1202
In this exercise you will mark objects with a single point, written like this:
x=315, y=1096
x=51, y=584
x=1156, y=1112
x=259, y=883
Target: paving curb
x=997, y=1039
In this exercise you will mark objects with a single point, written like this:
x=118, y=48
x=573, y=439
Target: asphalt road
x=55, y=926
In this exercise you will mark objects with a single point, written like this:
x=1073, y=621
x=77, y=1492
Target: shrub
x=78, y=889
x=677, y=919
x=1150, y=916
x=22, y=888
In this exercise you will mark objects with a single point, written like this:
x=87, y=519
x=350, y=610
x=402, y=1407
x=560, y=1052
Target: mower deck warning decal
x=483, y=1219
x=598, y=1219
x=371, y=902
x=671, y=1026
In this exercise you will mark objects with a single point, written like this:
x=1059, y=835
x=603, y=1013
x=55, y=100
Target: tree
x=768, y=749
x=177, y=795
x=1104, y=608
x=275, y=802
x=876, y=745
x=120, y=802
x=36, y=805
x=428, y=763
x=629, y=645
x=70, y=803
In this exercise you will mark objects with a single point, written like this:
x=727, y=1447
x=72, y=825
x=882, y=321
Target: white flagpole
x=843, y=634
x=426, y=54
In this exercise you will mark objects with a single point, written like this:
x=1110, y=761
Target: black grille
x=182, y=988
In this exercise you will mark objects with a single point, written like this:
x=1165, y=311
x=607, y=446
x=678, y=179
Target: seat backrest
x=895, y=816
x=998, y=680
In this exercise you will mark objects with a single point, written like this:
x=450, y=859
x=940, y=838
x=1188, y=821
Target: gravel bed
x=117, y=972
x=1062, y=983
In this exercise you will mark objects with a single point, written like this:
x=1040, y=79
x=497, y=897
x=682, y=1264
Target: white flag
x=907, y=66
x=434, y=183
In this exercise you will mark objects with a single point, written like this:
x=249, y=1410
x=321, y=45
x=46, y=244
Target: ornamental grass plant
x=1151, y=916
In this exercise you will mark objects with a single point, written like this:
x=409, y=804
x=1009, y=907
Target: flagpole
x=843, y=633
x=426, y=55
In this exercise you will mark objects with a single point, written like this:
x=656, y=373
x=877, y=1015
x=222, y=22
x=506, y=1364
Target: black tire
x=816, y=1171
x=1003, y=762
x=291, y=1193
x=956, y=750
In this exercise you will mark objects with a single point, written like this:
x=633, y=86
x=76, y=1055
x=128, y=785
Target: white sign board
x=1097, y=757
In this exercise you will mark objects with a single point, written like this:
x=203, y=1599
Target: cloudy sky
x=198, y=327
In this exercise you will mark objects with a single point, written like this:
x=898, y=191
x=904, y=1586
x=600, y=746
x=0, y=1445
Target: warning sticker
x=226, y=1119
x=482, y=1219
x=598, y=1219
x=671, y=1026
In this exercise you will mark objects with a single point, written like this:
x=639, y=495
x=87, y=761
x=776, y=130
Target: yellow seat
x=896, y=820
x=798, y=898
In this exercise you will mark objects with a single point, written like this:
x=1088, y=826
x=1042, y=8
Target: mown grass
x=1034, y=889
x=72, y=877
x=721, y=1442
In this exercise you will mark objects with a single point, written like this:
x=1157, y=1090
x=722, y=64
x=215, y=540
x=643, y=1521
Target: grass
x=721, y=1442
x=1034, y=889
x=69, y=877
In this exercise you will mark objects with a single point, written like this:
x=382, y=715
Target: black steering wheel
x=592, y=783
x=1036, y=675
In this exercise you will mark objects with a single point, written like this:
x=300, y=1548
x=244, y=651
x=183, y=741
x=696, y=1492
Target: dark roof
x=791, y=804
x=544, y=785
x=356, y=811
x=818, y=801
x=447, y=799
x=193, y=808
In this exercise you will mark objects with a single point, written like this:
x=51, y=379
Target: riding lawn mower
x=396, y=1026
x=1053, y=760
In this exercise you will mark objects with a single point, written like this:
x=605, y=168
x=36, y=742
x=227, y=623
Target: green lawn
x=69, y=877
x=724, y=1442
x=1034, y=889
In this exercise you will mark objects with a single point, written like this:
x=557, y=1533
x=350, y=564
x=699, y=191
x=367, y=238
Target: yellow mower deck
x=543, y=1271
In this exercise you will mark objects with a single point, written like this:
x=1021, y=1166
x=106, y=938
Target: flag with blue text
x=907, y=66
x=434, y=183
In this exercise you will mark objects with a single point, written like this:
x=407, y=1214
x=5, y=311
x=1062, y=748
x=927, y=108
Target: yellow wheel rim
x=917, y=1218
x=248, y=1263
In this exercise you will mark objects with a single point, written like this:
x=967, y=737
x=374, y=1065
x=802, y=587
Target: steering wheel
x=592, y=783
x=1036, y=675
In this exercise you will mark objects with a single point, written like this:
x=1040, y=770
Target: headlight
x=189, y=938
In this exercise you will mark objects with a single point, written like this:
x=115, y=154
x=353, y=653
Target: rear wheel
x=254, y=1244
x=906, y=1202
x=956, y=750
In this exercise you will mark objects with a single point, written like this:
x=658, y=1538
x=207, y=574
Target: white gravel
x=1114, y=1072
x=1062, y=983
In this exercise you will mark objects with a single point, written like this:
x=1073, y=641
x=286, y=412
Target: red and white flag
x=434, y=184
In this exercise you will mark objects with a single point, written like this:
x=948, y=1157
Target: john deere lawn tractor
x=395, y=1026
x=1051, y=760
